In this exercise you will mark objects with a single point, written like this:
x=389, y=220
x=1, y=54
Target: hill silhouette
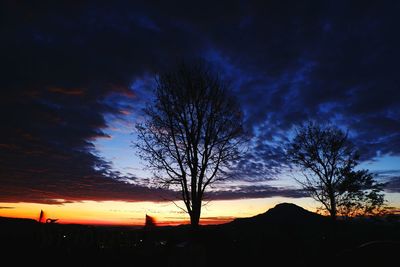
x=16, y=221
x=286, y=234
x=286, y=213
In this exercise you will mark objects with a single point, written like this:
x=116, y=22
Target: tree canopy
x=193, y=130
x=328, y=160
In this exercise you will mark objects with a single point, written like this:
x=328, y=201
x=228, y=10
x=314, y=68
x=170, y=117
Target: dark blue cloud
x=393, y=186
x=67, y=66
x=391, y=178
x=256, y=191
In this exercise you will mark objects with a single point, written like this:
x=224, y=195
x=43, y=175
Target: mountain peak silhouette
x=286, y=213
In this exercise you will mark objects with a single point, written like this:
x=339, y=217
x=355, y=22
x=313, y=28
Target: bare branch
x=327, y=160
x=193, y=129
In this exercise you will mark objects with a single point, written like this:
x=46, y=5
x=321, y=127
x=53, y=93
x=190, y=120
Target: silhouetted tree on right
x=327, y=160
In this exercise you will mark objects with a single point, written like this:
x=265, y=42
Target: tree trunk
x=333, y=210
x=195, y=215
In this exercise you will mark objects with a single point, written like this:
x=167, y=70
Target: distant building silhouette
x=41, y=216
x=150, y=222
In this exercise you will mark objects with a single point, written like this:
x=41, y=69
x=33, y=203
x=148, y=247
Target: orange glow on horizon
x=133, y=213
x=166, y=213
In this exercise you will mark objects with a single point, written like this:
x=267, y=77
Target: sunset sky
x=76, y=75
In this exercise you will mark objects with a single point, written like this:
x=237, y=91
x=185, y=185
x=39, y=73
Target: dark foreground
x=286, y=234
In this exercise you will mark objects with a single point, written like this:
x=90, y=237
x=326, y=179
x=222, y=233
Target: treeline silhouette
x=286, y=234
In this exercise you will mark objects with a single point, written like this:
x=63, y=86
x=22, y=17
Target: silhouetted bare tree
x=192, y=132
x=327, y=160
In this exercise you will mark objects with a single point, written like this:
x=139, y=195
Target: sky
x=75, y=76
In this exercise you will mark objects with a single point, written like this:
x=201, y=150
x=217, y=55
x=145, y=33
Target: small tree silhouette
x=327, y=160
